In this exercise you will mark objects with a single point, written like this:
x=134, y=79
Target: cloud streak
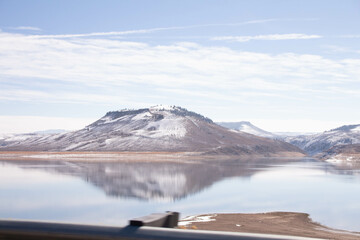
x=271, y=37
x=27, y=28
x=151, y=30
x=105, y=34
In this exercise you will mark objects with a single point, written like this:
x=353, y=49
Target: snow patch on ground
x=248, y=129
x=5, y=135
x=108, y=120
x=162, y=107
x=196, y=219
x=357, y=129
x=169, y=126
x=233, y=130
x=73, y=146
x=15, y=137
x=110, y=140
x=193, y=121
x=141, y=116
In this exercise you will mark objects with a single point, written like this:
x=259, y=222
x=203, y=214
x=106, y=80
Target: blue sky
x=283, y=65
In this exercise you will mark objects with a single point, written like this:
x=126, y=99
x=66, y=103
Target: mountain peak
x=164, y=108
x=156, y=111
x=154, y=129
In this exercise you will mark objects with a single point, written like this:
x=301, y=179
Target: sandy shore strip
x=99, y=156
x=184, y=157
x=281, y=223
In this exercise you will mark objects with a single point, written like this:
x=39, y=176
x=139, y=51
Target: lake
x=112, y=193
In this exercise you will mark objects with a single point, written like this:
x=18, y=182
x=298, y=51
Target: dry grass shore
x=281, y=223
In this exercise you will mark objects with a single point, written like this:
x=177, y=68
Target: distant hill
x=158, y=128
x=317, y=143
x=245, y=126
x=346, y=156
x=342, y=149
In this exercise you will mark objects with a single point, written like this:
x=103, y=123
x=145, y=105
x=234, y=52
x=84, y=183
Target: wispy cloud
x=151, y=30
x=28, y=28
x=141, y=31
x=104, y=34
x=272, y=37
x=114, y=62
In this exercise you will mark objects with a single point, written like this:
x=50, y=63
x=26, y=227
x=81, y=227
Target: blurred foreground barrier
x=155, y=226
x=168, y=220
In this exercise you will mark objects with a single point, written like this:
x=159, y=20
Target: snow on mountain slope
x=245, y=126
x=343, y=156
x=16, y=137
x=159, y=128
x=51, y=131
x=316, y=143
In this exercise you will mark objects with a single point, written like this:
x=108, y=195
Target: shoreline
x=95, y=156
x=279, y=223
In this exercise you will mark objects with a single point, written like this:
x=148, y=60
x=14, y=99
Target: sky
x=283, y=65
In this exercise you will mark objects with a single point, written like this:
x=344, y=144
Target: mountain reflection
x=160, y=181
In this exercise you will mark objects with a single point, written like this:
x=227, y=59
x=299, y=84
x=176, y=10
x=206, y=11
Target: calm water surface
x=113, y=193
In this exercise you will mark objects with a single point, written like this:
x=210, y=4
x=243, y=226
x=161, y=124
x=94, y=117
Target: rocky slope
x=314, y=144
x=156, y=128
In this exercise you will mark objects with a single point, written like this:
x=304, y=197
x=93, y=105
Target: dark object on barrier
x=167, y=220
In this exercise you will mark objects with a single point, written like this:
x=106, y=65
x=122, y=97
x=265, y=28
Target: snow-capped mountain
x=316, y=143
x=158, y=128
x=247, y=127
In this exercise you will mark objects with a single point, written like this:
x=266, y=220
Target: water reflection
x=165, y=181
x=74, y=191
